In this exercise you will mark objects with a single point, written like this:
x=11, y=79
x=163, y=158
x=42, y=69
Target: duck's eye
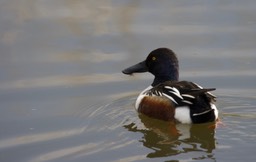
x=153, y=58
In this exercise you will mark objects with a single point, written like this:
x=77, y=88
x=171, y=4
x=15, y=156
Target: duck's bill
x=137, y=68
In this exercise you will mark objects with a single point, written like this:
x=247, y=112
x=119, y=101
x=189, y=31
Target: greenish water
x=63, y=96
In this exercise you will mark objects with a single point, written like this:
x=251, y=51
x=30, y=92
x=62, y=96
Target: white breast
x=140, y=97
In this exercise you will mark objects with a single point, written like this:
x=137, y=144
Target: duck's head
x=162, y=63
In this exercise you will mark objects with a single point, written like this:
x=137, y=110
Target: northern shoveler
x=169, y=99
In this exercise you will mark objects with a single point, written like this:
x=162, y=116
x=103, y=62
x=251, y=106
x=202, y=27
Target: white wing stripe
x=174, y=91
x=170, y=98
x=168, y=87
x=177, y=93
x=187, y=95
x=198, y=86
x=211, y=94
x=188, y=102
x=202, y=112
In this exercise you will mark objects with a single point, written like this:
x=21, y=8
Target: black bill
x=137, y=68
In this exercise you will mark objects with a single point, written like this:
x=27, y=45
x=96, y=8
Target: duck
x=169, y=99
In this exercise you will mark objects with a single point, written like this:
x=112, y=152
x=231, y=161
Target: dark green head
x=162, y=63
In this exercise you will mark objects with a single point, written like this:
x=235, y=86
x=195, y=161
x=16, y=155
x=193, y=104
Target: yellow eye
x=153, y=58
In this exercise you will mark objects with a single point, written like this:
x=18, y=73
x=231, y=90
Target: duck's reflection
x=167, y=138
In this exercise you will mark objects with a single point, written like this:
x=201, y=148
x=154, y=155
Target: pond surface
x=63, y=96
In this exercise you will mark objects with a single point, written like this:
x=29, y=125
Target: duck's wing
x=181, y=93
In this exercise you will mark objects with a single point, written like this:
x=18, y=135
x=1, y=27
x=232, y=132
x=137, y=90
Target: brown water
x=63, y=97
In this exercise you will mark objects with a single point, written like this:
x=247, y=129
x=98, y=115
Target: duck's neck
x=162, y=79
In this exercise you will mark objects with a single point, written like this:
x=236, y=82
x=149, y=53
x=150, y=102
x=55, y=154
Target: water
x=63, y=97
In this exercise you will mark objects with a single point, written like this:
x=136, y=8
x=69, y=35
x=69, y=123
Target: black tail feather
x=198, y=91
